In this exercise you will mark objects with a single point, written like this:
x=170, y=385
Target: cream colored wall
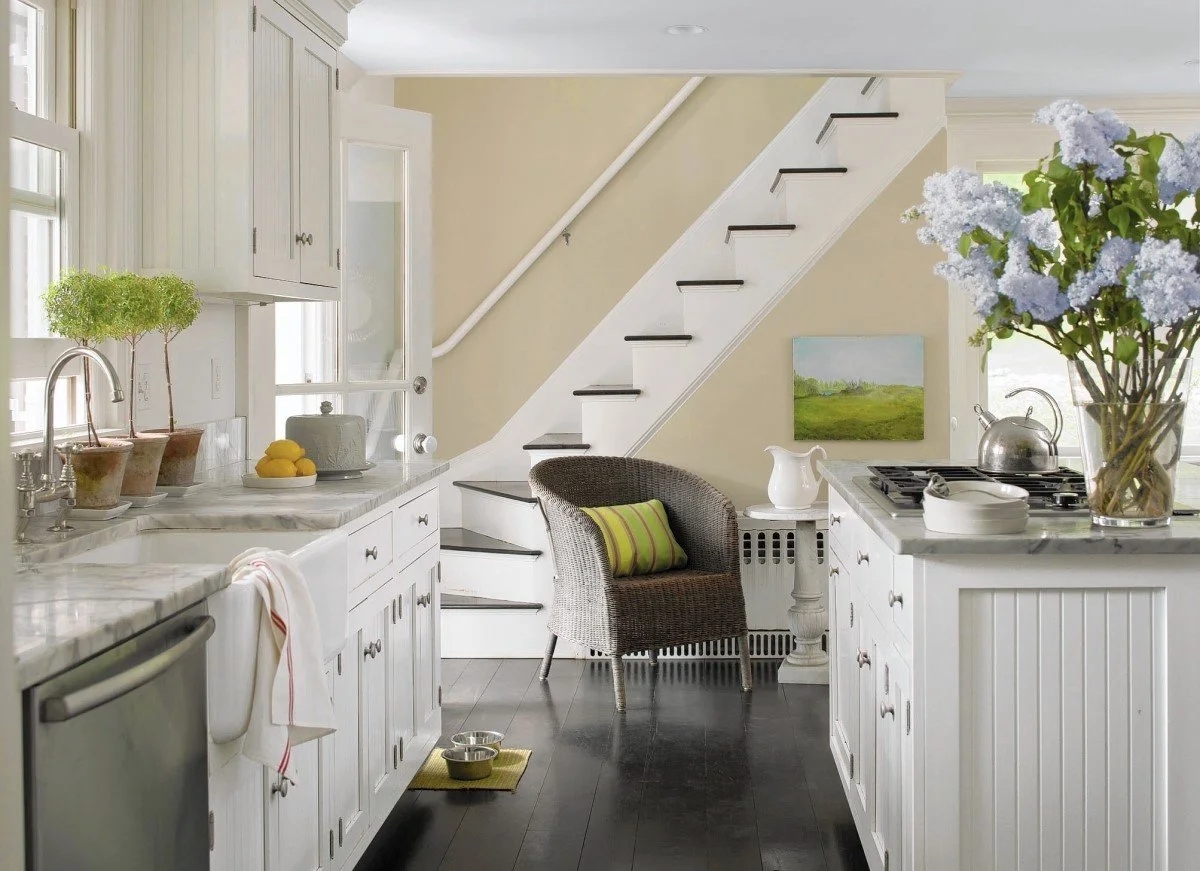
x=876, y=280
x=510, y=156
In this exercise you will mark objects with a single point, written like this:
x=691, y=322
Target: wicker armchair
x=615, y=616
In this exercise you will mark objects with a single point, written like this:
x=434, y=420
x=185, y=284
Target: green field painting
x=858, y=388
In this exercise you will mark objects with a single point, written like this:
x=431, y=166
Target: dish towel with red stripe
x=291, y=701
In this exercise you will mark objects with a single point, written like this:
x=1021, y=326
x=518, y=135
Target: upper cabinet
x=240, y=176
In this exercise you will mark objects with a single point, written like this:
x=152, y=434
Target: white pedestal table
x=807, y=618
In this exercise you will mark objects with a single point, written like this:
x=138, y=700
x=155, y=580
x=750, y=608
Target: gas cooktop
x=898, y=490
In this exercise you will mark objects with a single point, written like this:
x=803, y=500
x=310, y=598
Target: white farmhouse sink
x=233, y=649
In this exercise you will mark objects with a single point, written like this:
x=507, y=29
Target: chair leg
x=745, y=656
x=653, y=651
x=618, y=676
x=548, y=658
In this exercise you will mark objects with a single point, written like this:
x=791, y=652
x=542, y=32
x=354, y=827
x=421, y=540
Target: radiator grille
x=764, y=644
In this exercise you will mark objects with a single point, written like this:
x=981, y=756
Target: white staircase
x=679, y=323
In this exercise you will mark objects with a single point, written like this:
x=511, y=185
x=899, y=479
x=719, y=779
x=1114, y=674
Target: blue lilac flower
x=1087, y=137
x=1041, y=228
x=1165, y=279
x=958, y=202
x=976, y=274
x=1115, y=254
x=1179, y=168
x=1030, y=291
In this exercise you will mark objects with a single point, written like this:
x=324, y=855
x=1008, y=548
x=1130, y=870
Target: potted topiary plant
x=178, y=308
x=134, y=314
x=78, y=307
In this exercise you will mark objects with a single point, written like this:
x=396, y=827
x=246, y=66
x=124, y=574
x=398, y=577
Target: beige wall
x=510, y=156
x=877, y=279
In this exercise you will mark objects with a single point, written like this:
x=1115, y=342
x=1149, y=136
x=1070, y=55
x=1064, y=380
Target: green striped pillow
x=638, y=538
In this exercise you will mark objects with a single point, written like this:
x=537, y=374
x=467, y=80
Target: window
x=43, y=203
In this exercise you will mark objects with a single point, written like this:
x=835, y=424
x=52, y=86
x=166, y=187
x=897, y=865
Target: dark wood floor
x=695, y=775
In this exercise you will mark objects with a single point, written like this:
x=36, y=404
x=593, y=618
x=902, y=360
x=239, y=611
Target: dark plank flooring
x=695, y=775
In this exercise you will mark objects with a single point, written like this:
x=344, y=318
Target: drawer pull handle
x=894, y=600
x=834, y=572
x=863, y=658
x=835, y=519
x=887, y=710
x=864, y=558
x=373, y=649
x=423, y=520
x=372, y=553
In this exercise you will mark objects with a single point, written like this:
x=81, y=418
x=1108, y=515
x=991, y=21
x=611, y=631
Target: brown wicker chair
x=616, y=616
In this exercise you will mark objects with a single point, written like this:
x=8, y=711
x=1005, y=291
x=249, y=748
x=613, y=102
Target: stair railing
x=561, y=225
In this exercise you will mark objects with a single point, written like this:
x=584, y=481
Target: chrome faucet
x=48, y=488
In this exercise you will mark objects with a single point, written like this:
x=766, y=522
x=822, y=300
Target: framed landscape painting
x=858, y=388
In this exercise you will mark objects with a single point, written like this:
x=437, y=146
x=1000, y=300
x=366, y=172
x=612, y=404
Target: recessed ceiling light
x=686, y=29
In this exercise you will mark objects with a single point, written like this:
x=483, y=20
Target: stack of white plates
x=977, y=508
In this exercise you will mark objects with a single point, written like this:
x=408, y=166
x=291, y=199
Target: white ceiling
x=1015, y=48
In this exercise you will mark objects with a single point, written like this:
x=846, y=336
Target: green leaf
x=1121, y=217
x=1126, y=349
x=964, y=244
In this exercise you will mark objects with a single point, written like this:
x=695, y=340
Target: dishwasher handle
x=61, y=708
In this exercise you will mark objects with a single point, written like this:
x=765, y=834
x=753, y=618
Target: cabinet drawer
x=841, y=525
x=415, y=520
x=370, y=549
x=871, y=567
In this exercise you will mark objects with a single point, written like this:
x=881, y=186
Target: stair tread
x=456, y=601
x=518, y=490
x=557, y=441
x=608, y=390
x=660, y=337
x=460, y=539
x=710, y=282
x=864, y=114
x=735, y=227
x=805, y=170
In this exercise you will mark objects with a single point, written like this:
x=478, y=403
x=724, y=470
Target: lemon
x=305, y=467
x=284, y=449
x=276, y=467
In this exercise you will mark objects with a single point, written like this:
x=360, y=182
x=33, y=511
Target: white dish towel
x=291, y=701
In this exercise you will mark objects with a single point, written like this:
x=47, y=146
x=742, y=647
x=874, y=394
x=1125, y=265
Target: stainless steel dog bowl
x=478, y=739
x=469, y=763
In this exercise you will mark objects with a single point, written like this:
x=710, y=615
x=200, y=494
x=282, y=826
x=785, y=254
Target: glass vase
x=1131, y=433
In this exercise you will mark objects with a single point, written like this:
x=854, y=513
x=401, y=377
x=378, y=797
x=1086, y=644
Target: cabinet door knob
x=308, y=239
x=834, y=572
x=894, y=600
x=835, y=519
x=299, y=238
x=423, y=520
x=864, y=558
x=886, y=710
x=372, y=553
x=280, y=787
x=863, y=658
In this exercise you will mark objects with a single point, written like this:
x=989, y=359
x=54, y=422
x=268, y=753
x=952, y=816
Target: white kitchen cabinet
x=892, y=706
x=404, y=666
x=235, y=796
x=379, y=752
x=425, y=655
x=296, y=840
x=843, y=682
x=348, y=816
x=241, y=94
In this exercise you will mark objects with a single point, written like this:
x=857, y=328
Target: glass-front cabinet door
x=371, y=353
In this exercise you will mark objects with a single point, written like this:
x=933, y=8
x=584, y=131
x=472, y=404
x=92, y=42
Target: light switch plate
x=143, y=394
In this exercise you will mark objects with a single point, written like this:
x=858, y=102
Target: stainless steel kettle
x=1019, y=444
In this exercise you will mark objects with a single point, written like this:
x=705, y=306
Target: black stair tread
x=710, y=282
x=518, y=490
x=864, y=115
x=764, y=228
x=806, y=170
x=660, y=337
x=455, y=601
x=458, y=538
x=608, y=390
x=557, y=441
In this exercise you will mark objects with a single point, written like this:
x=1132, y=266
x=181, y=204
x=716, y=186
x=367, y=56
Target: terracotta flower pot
x=141, y=472
x=99, y=472
x=178, y=467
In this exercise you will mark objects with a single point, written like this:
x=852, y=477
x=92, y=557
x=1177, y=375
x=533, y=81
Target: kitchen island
x=1006, y=701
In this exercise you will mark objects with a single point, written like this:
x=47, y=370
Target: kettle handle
x=1055, y=410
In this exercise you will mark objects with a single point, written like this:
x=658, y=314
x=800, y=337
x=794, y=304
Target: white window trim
x=1000, y=136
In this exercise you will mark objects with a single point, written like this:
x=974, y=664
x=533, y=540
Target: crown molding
x=999, y=110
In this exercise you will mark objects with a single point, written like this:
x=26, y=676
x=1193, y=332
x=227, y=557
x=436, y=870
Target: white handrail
x=572, y=213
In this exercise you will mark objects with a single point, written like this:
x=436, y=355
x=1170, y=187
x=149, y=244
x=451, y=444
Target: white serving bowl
x=960, y=525
x=981, y=495
x=977, y=508
x=946, y=508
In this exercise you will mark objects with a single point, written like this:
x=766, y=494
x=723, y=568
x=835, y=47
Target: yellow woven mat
x=506, y=772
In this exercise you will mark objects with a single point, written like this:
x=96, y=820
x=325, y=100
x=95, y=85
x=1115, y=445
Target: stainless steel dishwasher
x=116, y=756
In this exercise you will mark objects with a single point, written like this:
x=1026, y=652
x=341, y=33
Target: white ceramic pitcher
x=794, y=482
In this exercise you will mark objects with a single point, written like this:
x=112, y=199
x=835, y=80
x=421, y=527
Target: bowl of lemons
x=282, y=467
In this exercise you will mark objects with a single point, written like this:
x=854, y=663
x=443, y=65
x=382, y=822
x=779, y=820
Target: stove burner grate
x=905, y=485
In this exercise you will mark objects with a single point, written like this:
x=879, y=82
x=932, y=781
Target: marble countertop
x=64, y=613
x=1044, y=534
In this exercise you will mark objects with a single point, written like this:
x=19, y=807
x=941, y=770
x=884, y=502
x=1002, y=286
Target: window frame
x=998, y=135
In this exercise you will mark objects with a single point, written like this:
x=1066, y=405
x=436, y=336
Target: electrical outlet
x=218, y=382
x=142, y=393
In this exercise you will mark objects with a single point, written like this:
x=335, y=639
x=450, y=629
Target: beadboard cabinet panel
x=319, y=206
